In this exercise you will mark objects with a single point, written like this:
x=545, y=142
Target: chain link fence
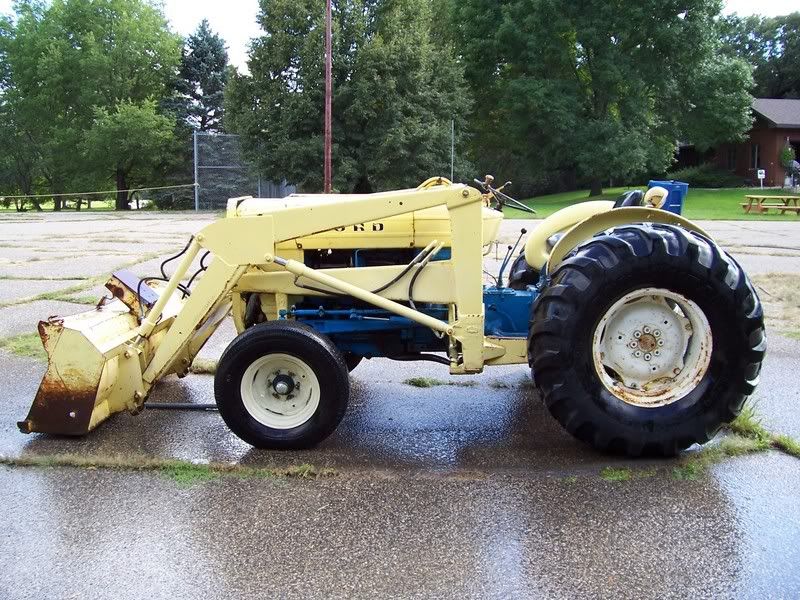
x=221, y=172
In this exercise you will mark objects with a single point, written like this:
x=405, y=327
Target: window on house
x=755, y=156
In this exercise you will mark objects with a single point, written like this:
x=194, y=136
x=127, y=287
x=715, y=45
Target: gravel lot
x=442, y=492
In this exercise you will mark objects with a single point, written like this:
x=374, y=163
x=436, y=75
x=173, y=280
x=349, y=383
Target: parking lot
x=453, y=490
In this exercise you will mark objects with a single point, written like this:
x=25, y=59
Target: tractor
x=643, y=335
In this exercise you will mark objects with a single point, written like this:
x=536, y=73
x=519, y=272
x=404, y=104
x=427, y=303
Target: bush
x=707, y=176
x=787, y=157
x=173, y=199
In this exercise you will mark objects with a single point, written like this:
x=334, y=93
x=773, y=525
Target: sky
x=235, y=20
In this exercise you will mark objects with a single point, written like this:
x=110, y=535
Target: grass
x=43, y=278
x=47, y=205
x=713, y=204
x=28, y=345
x=499, y=385
x=86, y=284
x=182, y=472
x=429, y=382
x=748, y=425
x=730, y=446
x=615, y=475
x=787, y=444
x=547, y=205
x=82, y=299
x=688, y=471
x=747, y=436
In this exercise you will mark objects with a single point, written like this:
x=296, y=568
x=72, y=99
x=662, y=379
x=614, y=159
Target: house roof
x=782, y=113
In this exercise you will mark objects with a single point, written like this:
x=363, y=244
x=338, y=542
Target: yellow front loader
x=643, y=335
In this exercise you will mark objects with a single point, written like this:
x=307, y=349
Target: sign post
x=762, y=174
x=327, y=168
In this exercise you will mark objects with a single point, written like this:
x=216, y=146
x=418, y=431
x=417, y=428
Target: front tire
x=648, y=339
x=282, y=385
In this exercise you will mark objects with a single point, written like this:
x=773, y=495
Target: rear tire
x=282, y=385
x=597, y=294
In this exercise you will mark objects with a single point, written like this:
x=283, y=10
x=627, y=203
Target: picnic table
x=761, y=204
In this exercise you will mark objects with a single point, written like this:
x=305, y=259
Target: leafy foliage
x=772, y=46
x=600, y=90
x=70, y=58
x=397, y=86
x=707, y=175
x=787, y=155
x=201, y=79
x=128, y=141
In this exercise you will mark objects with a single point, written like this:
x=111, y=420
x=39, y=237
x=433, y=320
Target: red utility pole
x=328, y=97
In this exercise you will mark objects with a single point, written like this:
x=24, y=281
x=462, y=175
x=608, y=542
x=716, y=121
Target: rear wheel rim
x=652, y=347
x=280, y=391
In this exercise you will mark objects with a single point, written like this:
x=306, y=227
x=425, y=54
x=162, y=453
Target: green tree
x=397, y=85
x=772, y=46
x=70, y=58
x=201, y=79
x=18, y=159
x=129, y=142
x=599, y=89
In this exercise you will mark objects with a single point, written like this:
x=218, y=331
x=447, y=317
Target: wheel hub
x=647, y=343
x=282, y=385
x=280, y=391
x=652, y=347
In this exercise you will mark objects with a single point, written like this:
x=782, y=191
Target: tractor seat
x=633, y=198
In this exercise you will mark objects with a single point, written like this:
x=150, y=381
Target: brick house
x=776, y=122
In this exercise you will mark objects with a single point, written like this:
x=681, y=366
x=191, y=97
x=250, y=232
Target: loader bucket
x=93, y=370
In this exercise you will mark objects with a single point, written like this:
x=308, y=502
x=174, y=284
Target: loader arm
x=167, y=342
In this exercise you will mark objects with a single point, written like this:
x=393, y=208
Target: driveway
x=448, y=491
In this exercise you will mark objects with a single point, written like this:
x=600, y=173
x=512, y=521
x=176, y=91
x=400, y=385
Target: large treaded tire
x=583, y=287
x=297, y=340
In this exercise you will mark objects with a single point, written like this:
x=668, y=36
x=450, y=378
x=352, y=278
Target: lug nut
x=657, y=352
x=637, y=334
x=660, y=342
x=657, y=333
x=646, y=329
x=633, y=344
x=638, y=353
x=648, y=356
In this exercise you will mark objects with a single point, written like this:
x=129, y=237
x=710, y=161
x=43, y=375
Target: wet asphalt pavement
x=463, y=492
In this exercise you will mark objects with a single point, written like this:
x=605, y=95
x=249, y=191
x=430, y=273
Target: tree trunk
x=56, y=202
x=362, y=186
x=122, y=195
x=597, y=188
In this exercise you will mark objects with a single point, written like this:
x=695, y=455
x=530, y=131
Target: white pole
x=196, y=186
x=452, y=148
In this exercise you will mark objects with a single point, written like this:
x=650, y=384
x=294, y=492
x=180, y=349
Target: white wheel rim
x=280, y=391
x=652, y=347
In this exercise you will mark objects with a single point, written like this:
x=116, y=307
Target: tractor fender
x=536, y=252
x=597, y=223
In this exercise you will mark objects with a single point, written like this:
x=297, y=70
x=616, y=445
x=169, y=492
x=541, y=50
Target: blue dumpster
x=677, y=194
